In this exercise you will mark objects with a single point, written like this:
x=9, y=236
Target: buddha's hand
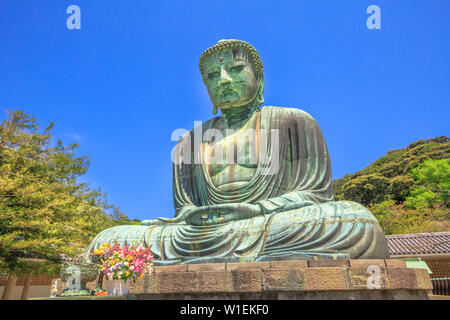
x=294, y=206
x=163, y=221
x=222, y=213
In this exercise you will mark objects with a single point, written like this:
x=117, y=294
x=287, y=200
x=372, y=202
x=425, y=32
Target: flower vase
x=117, y=287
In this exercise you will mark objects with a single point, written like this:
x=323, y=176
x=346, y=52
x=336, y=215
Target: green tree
x=44, y=210
x=366, y=189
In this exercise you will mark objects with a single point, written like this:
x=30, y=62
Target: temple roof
x=419, y=243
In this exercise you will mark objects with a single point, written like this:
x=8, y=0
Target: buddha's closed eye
x=237, y=68
x=213, y=74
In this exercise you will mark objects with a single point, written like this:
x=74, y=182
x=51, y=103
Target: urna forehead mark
x=225, y=56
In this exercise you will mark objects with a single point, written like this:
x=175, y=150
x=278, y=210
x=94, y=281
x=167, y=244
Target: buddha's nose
x=224, y=77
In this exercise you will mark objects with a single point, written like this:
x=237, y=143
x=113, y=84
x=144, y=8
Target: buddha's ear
x=259, y=95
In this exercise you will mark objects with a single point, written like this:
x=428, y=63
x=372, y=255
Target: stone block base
x=281, y=280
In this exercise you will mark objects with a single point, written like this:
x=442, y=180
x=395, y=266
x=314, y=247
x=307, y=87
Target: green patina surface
x=253, y=184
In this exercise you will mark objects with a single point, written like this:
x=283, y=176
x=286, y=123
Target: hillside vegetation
x=407, y=189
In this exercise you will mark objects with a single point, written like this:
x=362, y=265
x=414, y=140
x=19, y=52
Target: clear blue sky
x=129, y=77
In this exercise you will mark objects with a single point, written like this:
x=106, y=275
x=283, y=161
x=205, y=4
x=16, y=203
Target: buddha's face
x=230, y=78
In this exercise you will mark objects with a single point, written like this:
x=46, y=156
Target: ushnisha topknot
x=253, y=55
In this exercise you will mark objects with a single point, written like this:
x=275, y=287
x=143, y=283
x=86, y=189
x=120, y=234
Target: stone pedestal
x=279, y=280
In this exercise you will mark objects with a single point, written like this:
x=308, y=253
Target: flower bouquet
x=120, y=265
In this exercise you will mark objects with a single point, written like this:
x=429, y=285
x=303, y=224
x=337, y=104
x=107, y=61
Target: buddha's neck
x=236, y=117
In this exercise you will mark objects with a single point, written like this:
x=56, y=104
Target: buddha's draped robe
x=293, y=186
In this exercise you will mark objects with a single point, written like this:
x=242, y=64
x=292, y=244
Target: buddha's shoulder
x=284, y=112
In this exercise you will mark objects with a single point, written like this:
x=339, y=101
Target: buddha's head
x=233, y=73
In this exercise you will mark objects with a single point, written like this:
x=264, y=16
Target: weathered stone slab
x=214, y=281
x=246, y=280
x=293, y=264
x=325, y=278
x=423, y=279
x=173, y=282
x=359, y=279
x=283, y=280
x=402, y=278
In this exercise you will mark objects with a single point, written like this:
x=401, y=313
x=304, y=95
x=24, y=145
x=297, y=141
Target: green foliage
x=44, y=211
x=421, y=198
x=398, y=218
x=432, y=184
x=395, y=166
x=366, y=189
x=399, y=187
x=407, y=189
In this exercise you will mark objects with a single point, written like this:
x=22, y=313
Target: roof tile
x=419, y=243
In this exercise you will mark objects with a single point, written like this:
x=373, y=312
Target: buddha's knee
x=125, y=234
x=349, y=209
x=333, y=211
x=349, y=205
